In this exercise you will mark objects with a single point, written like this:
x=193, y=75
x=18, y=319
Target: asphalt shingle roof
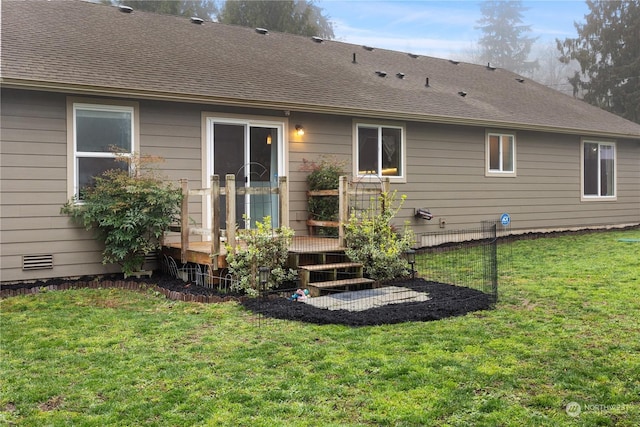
x=84, y=47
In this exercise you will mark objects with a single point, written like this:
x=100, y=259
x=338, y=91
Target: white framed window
x=500, y=154
x=598, y=169
x=379, y=151
x=96, y=131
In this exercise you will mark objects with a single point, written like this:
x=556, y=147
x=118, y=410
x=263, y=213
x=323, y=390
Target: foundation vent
x=37, y=262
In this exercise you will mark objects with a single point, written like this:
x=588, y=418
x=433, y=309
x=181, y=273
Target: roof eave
x=18, y=83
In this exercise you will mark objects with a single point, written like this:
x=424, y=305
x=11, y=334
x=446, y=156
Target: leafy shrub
x=371, y=239
x=324, y=175
x=261, y=246
x=129, y=211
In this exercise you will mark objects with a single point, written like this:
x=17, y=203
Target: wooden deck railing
x=214, y=192
x=345, y=190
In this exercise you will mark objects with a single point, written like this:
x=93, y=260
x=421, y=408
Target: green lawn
x=566, y=329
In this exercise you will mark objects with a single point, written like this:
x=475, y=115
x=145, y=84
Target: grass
x=566, y=329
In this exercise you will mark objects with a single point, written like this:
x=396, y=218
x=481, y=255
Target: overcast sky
x=444, y=29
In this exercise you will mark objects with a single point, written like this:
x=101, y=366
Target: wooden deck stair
x=323, y=271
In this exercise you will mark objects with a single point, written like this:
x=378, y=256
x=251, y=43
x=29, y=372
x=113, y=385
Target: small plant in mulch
x=374, y=241
x=129, y=209
x=260, y=247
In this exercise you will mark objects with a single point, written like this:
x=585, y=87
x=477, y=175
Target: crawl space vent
x=37, y=262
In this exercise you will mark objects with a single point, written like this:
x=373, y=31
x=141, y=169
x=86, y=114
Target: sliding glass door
x=252, y=151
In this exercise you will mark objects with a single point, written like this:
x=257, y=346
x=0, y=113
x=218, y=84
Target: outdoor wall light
x=269, y=139
x=423, y=213
x=411, y=259
x=299, y=130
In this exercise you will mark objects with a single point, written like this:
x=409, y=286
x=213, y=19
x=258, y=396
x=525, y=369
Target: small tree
x=262, y=246
x=129, y=210
x=372, y=240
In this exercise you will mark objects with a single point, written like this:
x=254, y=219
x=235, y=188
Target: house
x=468, y=142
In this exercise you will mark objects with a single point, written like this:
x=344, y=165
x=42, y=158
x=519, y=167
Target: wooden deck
x=199, y=252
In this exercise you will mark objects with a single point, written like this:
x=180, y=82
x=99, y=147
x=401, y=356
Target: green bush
x=261, y=246
x=129, y=212
x=371, y=239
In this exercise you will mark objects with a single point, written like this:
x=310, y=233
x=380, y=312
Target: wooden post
x=343, y=208
x=386, y=184
x=215, y=220
x=184, y=220
x=283, y=198
x=384, y=192
x=230, y=191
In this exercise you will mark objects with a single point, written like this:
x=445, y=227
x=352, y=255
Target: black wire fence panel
x=471, y=258
x=455, y=272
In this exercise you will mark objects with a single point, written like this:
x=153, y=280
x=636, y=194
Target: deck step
x=337, y=265
x=311, y=273
x=316, y=287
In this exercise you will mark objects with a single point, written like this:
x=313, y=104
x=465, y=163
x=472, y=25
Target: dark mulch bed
x=445, y=300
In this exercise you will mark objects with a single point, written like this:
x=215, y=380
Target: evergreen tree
x=608, y=50
x=287, y=16
x=504, y=42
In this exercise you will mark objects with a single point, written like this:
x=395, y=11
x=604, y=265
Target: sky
x=444, y=29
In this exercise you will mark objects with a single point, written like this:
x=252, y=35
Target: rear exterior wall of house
x=444, y=170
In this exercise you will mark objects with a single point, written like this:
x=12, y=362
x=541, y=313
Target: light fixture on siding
x=269, y=139
x=299, y=130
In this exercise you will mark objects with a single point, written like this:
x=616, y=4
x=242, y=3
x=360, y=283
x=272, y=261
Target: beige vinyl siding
x=33, y=172
x=325, y=136
x=173, y=132
x=445, y=169
x=446, y=174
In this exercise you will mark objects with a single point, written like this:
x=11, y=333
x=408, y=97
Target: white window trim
x=208, y=118
x=403, y=157
x=98, y=105
x=591, y=198
x=487, y=154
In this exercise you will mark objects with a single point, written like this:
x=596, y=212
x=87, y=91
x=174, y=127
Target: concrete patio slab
x=366, y=299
